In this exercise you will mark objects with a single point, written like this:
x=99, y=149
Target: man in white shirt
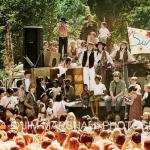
x=88, y=62
x=9, y=102
x=98, y=93
x=103, y=33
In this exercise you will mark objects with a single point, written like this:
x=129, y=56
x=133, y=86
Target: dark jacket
x=91, y=59
x=39, y=91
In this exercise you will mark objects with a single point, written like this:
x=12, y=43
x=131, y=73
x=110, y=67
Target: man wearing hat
x=88, y=61
x=121, y=58
x=89, y=26
x=63, y=31
x=117, y=90
x=104, y=60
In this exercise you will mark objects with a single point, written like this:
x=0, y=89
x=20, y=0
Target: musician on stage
x=89, y=26
x=105, y=62
x=104, y=33
x=63, y=31
x=121, y=58
x=117, y=90
x=88, y=61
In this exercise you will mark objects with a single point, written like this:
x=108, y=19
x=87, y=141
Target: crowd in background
x=105, y=78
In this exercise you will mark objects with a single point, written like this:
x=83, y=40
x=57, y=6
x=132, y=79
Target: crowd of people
x=34, y=115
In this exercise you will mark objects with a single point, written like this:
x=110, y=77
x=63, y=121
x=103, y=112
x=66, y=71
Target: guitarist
x=105, y=62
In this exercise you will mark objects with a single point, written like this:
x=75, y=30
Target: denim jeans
x=108, y=103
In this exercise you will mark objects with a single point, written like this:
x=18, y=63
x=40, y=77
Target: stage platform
x=79, y=111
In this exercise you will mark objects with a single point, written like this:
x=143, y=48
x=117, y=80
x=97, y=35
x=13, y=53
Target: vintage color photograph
x=74, y=74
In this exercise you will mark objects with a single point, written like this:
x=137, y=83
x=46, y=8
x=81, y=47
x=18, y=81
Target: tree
x=46, y=13
x=74, y=11
x=18, y=13
x=120, y=13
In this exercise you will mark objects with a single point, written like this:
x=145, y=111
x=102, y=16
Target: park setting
x=74, y=74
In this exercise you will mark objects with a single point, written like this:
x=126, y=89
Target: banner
x=139, y=41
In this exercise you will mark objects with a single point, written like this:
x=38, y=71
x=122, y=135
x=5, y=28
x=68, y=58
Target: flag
x=139, y=40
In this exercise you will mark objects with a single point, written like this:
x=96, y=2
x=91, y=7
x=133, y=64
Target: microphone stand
x=41, y=52
x=33, y=66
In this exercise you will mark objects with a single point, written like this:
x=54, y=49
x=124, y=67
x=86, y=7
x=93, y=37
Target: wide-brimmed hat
x=90, y=43
x=67, y=80
x=63, y=20
x=124, y=42
x=102, y=43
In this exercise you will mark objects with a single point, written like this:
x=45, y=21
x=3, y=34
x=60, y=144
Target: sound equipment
x=33, y=45
x=53, y=73
x=42, y=71
x=76, y=76
x=51, y=59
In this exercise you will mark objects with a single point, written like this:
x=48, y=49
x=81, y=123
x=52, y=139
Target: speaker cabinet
x=76, y=76
x=33, y=46
x=51, y=59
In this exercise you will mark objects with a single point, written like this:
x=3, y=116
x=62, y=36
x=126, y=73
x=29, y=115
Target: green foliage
x=46, y=13
x=2, y=74
x=120, y=13
x=74, y=11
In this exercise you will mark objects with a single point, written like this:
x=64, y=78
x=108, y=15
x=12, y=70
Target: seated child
x=49, y=111
x=85, y=96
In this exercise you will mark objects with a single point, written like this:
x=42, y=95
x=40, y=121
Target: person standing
x=63, y=31
x=88, y=61
x=136, y=104
x=9, y=102
x=31, y=103
x=27, y=81
x=89, y=26
x=133, y=82
x=105, y=62
x=146, y=98
x=117, y=90
x=92, y=37
x=40, y=87
x=104, y=33
x=121, y=58
x=21, y=96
